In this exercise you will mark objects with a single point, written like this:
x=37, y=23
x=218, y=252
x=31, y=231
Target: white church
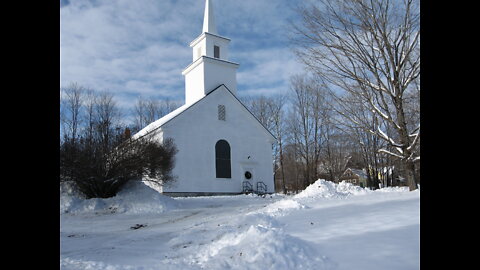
x=222, y=147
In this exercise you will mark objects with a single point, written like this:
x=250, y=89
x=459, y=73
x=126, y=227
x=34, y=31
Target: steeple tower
x=210, y=67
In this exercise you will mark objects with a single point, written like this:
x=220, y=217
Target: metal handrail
x=261, y=188
x=247, y=187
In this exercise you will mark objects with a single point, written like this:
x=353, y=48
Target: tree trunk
x=282, y=168
x=410, y=174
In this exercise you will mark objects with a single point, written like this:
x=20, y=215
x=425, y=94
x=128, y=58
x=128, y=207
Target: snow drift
x=260, y=243
x=242, y=232
x=134, y=198
x=326, y=189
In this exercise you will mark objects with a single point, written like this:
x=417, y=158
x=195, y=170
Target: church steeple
x=210, y=66
x=209, y=25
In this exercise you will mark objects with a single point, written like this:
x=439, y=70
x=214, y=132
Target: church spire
x=210, y=67
x=209, y=19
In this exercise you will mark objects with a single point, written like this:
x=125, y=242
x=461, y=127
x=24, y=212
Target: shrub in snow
x=100, y=168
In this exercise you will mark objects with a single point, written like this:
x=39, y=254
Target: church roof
x=160, y=122
x=205, y=58
x=152, y=127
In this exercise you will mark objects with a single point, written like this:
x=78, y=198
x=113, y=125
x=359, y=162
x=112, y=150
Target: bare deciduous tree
x=98, y=153
x=371, y=50
x=337, y=151
x=71, y=103
x=307, y=122
x=269, y=111
x=107, y=119
x=276, y=107
x=147, y=111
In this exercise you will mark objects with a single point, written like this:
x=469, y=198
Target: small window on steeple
x=199, y=52
x=216, y=51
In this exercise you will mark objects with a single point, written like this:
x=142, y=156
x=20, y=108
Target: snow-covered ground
x=327, y=226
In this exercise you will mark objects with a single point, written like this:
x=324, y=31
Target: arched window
x=222, y=159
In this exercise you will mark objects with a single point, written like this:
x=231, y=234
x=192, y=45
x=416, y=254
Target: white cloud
x=140, y=47
x=269, y=71
x=123, y=46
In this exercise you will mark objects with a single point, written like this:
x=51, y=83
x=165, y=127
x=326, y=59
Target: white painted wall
x=205, y=42
x=196, y=132
x=222, y=43
x=217, y=73
x=205, y=74
x=195, y=82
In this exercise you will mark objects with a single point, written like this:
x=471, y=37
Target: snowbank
x=243, y=232
x=281, y=207
x=71, y=264
x=260, y=243
x=394, y=189
x=320, y=189
x=326, y=189
x=134, y=198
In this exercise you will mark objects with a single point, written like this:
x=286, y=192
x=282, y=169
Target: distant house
x=355, y=176
x=389, y=176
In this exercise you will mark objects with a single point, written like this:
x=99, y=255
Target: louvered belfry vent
x=221, y=112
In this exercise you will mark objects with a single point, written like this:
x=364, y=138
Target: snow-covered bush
x=134, y=198
x=100, y=170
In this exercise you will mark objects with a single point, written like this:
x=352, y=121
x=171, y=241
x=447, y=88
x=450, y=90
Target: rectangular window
x=216, y=51
x=199, y=52
x=221, y=112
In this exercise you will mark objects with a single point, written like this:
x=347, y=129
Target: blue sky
x=140, y=47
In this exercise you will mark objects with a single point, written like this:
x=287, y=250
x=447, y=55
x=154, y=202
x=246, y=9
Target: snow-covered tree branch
x=369, y=50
